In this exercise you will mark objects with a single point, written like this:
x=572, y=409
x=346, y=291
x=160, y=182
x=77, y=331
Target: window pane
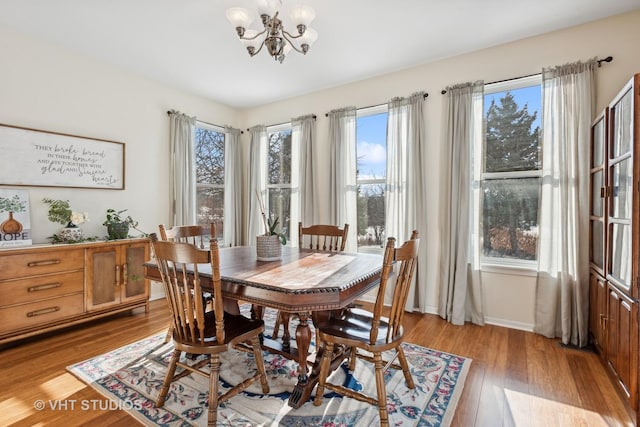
x=280, y=207
x=622, y=177
x=210, y=207
x=280, y=157
x=371, y=148
x=209, y=156
x=597, y=244
x=598, y=144
x=510, y=217
x=371, y=215
x=621, y=117
x=621, y=256
x=512, y=130
x=596, y=200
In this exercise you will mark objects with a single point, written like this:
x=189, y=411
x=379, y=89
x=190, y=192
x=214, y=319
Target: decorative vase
x=71, y=233
x=11, y=225
x=118, y=230
x=268, y=248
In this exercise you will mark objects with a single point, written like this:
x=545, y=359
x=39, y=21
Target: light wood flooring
x=516, y=378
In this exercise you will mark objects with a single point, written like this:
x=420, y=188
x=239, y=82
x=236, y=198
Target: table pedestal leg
x=302, y=390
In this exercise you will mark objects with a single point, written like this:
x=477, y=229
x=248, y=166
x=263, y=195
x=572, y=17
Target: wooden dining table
x=309, y=284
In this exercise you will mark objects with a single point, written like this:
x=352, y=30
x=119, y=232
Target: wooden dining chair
x=198, y=235
x=198, y=332
x=320, y=237
x=360, y=329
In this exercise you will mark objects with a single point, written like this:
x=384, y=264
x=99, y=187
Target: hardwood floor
x=516, y=378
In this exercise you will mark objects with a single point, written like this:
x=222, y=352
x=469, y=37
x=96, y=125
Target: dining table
x=306, y=283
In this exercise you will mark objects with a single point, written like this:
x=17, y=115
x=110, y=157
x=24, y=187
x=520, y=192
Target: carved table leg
x=302, y=391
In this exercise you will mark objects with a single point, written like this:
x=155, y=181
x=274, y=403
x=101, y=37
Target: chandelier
x=279, y=42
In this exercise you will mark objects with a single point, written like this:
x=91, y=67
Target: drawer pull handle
x=44, y=287
x=43, y=311
x=43, y=263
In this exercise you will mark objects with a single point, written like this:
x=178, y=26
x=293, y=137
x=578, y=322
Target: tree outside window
x=209, y=156
x=510, y=179
x=371, y=158
x=279, y=179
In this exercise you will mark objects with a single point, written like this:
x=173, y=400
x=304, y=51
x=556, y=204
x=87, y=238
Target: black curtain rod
x=599, y=61
x=370, y=106
x=202, y=121
x=280, y=124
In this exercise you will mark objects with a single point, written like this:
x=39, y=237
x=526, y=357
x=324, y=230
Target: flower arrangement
x=60, y=211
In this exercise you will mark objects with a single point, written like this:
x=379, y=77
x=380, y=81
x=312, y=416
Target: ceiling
x=189, y=44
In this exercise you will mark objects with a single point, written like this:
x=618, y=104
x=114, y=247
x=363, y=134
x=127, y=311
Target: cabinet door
x=134, y=285
x=103, y=277
x=622, y=341
x=598, y=193
x=598, y=311
x=621, y=230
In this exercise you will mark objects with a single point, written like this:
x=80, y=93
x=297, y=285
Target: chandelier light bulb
x=239, y=17
x=302, y=15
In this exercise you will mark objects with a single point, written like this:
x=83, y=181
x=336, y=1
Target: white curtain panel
x=343, y=191
x=257, y=183
x=562, y=292
x=182, y=171
x=460, y=296
x=303, y=136
x=233, y=185
x=405, y=198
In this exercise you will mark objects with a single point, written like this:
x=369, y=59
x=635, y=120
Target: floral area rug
x=132, y=376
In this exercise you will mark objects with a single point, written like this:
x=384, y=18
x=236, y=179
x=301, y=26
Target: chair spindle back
x=323, y=237
x=399, y=264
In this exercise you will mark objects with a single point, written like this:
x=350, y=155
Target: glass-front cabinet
x=614, y=254
x=621, y=243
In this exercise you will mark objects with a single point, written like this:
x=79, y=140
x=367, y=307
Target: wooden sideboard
x=47, y=287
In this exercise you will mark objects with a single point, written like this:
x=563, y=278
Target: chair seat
x=354, y=324
x=236, y=328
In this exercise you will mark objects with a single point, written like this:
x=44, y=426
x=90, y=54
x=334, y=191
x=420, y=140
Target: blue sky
x=371, y=148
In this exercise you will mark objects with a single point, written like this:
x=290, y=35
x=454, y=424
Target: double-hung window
x=282, y=179
x=510, y=173
x=371, y=166
x=209, y=160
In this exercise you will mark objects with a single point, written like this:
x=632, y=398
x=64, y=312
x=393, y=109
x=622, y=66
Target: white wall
x=43, y=86
x=46, y=87
x=508, y=298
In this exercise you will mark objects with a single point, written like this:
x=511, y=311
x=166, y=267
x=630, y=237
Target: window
x=209, y=155
x=510, y=174
x=371, y=159
x=280, y=179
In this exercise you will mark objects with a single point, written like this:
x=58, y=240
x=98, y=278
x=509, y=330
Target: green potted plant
x=269, y=245
x=60, y=211
x=118, y=225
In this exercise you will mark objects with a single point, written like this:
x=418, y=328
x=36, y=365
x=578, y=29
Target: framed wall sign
x=48, y=159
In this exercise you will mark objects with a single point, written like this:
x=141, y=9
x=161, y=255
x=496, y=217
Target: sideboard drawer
x=36, y=263
x=40, y=287
x=41, y=312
